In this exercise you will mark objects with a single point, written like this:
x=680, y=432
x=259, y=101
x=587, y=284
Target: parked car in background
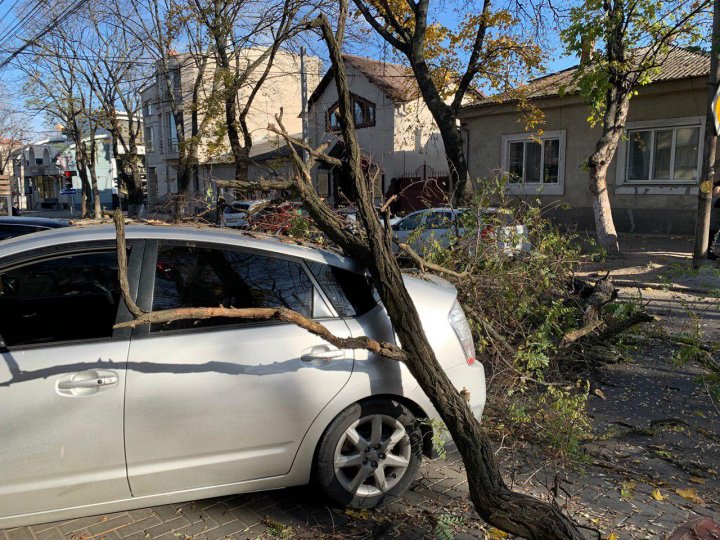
x=99, y=419
x=236, y=213
x=424, y=228
x=17, y=226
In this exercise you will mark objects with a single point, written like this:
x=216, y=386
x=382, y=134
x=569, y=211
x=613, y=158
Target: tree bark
x=617, y=107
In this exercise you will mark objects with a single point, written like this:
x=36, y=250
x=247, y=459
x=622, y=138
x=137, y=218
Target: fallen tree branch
x=589, y=328
x=388, y=350
x=423, y=264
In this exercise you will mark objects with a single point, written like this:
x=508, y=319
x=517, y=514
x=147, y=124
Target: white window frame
x=623, y=186
x=534, y=188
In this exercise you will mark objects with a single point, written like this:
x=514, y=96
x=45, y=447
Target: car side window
x=350, y=293
x=438, y=220
x=190, y=276
x=411, y=223
x=64, y=298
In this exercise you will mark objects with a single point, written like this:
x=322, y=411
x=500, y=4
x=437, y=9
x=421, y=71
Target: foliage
x=444, y=525
x=638, y=35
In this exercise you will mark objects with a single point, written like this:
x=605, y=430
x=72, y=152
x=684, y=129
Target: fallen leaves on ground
x=690, y=494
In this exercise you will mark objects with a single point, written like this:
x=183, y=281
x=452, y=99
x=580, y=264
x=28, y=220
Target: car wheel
x=371, y=450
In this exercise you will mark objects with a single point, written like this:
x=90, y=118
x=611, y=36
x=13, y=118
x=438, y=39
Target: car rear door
x=62, y=378
x=221, y=401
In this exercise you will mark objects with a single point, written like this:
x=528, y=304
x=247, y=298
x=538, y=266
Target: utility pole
x=702, y=222
x=304, y=98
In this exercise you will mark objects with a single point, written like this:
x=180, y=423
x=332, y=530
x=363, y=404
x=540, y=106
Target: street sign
x=716, y=110
x=71, y=191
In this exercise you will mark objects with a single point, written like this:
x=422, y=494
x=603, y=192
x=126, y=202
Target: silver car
x=424, y=228
x=96, y=419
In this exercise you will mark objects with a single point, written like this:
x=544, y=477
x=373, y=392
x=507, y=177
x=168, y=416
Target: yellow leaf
x=627, y=488
x=599, y=393
x=357, y=514
x=690, y=494
x=496, y=534
x=612, y=536
x=657, y=495
x=696, y=480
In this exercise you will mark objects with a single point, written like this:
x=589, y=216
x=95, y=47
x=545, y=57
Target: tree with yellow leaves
x=487, y=45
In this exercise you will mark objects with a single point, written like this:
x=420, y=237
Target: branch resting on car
x=388, y=350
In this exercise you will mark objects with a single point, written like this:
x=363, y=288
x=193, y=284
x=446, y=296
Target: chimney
x=587, y=46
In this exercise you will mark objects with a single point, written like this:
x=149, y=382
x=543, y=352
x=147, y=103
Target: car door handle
x=84, y=383
x=87, y=383
x=322, y=354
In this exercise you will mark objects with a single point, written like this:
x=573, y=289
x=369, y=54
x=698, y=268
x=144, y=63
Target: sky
x=11, y=11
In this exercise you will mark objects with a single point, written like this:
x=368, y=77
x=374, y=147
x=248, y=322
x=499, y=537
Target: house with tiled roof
x=653, y=179
x=401, y=144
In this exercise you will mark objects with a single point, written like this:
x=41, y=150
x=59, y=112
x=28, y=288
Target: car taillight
x=462, y=330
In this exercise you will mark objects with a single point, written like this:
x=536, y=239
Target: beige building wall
x=403, y=139
x=281, y=89
x=651, y=208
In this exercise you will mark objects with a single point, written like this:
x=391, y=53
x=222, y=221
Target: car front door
x=221, y=401
x=62, y=379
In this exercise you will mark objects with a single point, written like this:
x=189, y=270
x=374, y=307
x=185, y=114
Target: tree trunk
x=86, y=191
x=513, y=512
x=97, y=209
x=447, y=122
x=617, y=107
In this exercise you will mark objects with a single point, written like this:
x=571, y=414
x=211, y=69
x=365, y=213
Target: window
x=172, y=133
x=351, y=294
x=438, y=220
x=363, y=114
x=534, y=162
x=39, y=161
x=148, y=139
x=411, y=222
x=664, y=154
x=60, y=299
x=188, y=276
x=147, y=108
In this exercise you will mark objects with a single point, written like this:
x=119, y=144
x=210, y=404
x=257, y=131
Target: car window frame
x=25, y=258
x=146, y=287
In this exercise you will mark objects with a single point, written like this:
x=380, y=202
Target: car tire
x=369, y=441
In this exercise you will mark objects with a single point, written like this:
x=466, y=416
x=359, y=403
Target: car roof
x=189, y=233
x=35, y=221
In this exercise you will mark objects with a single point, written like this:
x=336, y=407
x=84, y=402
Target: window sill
x=657, y=189
x=534, y=189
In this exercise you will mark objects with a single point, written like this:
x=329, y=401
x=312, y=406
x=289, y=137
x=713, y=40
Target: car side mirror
x=395, y=227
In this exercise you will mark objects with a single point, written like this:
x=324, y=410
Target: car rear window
x=350, y=293
x=189, y=276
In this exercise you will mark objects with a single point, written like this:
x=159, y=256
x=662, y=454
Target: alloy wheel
x=372, y=455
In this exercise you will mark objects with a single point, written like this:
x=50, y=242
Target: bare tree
x=163, y=25
x=56, y=88
x=13, y=132
x=115, y=76
x=637, y=36
x=501, y=507
x=247, y=36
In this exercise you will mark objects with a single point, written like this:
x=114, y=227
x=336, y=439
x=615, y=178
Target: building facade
x=402, y=148
x=653, y=179
x=281, y=90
